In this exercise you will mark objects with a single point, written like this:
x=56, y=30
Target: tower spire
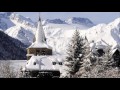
x=40, y=36
x=39, y=17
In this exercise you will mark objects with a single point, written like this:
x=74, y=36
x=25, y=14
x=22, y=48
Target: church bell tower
x=39, y=47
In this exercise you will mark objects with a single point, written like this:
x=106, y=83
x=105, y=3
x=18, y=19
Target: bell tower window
x=37, y=52
x=43, y=52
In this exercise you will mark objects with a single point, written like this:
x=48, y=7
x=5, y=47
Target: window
x=43, y=52
x=100, y=52
x=54, y=63
x=60, y=63
x=34, y=63
x=37, y=52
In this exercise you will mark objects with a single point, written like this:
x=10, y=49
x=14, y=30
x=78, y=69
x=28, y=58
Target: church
x=40, y=58
x=39, y=46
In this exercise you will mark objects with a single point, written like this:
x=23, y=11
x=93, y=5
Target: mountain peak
x=55, y=21
x=21, y=19
x=116, y=22
x=79, y=20
x=5, y=14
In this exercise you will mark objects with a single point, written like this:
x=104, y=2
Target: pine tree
x=86, y=66
x=75, y=53
x=101, y=66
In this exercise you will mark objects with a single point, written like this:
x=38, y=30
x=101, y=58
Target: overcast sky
x=95, y=17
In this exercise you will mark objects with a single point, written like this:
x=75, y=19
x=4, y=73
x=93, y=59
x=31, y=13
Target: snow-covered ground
x=16, y=64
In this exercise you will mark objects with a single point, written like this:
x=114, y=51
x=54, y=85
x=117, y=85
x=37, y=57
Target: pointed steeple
x=40, y=36
x=39, y=46
x=39, y=18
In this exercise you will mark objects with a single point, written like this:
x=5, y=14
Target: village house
x=115, y=55
x=99, y=48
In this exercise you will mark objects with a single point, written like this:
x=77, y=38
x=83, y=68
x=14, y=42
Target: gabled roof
x=44, y=62
x=113, y=50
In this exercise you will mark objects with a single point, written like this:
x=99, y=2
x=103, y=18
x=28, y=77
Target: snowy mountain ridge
x=109, y=33
x=55, y=21
x=79, y=20
x=5, y=23
x=22, y=20
x=23, y=28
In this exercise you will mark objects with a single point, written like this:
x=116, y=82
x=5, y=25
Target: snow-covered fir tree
x=76, y=53
x=86, y=59
x=100, y=68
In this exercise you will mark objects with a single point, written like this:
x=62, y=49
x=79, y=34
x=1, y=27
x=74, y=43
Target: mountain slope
x=59, y=32
x=110, y=33
x=5, y=23
x=10, y=48
x=23, y=34
x=24, y=28
x=21, y=28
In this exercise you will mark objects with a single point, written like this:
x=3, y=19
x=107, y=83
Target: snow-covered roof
x=40, y=37
x=45, y=63
x=99, y=44
x=40, y=45
x=113, y=50
x=116, y=46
